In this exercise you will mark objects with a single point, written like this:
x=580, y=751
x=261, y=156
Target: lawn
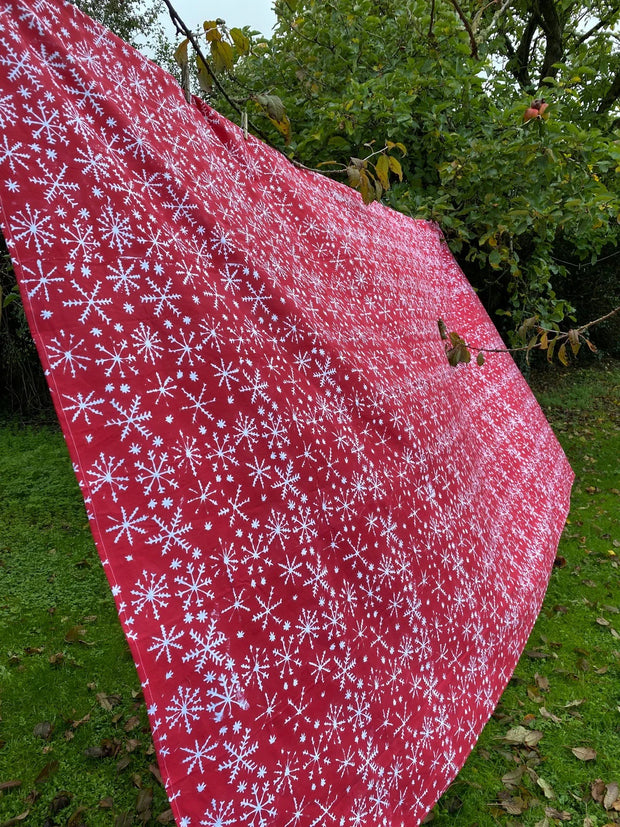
x=75, y=746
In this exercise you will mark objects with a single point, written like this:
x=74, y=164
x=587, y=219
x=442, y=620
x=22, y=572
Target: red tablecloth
x=327, y=545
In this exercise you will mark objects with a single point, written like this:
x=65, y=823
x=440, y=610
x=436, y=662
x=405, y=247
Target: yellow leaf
x=395, y=167
x=223, y=56
x=241, y=41
x=211, y=30
x=562, y=354
x=180, y=53
x=204, y=75
x=366, y=188
x=382, y=168
x=283, y=126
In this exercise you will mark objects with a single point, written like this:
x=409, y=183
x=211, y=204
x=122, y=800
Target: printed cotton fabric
x=327, y=545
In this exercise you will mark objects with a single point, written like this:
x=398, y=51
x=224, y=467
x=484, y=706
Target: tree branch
x=519, y=65
x=468, y=29
x=183, y=29
x=553, y=27
x=600, y=25
x=611, y=96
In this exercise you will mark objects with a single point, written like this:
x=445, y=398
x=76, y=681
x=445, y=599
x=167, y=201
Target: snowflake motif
x=195, y=586
x=33, y=227
x=63, y=350
x=184, y=708
x=172, y=533
x=166, y=643
x=219, y=814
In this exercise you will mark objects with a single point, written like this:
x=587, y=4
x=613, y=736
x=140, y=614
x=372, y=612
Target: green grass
x=73, y=727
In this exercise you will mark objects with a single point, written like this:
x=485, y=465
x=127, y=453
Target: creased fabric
x=327, y=546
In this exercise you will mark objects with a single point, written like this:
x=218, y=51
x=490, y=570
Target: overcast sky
x=257, y=14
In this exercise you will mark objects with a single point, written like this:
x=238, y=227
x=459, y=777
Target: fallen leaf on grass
x=60, y=801
x=167, y=817
x=47, y=772
x=520, y=735
x=513, y=778
x=154, y=769
x=143, y=804
x=76, y=634
x=561, y=815
x=546, y=787
x=571, y=704
x=108, y=702
x=542, y=682
x=514, y=805
x=584, y=753
x=9, y=785
x=43, y=730
x=132, y=723
x=602, y=621
x=611, y=796
x=597, y=790
x=544, y=713
x=16, y=819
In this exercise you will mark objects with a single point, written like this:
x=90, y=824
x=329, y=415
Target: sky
x=257, y=14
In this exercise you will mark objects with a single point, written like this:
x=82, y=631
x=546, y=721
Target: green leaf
x=273, y=106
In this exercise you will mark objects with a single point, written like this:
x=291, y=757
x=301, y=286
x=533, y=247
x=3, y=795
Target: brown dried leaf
x=108, y=702
x=46, y=773
x=584, y=753
x=10, y=785
x=43, y=730
x=571, y=704
x=533, y=737
x=60, y=801
x=16, y=819
x=611, y=794
x=513, y=778
x=542, y=682
x=597, y=790
x=167, y=817
x=516, y=735
x=549, y=716
x=76, y=634
x=132, y=723
x=561, y=815
x=514, y=806
x=546, y=787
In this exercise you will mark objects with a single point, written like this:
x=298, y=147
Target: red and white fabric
x=327, y=546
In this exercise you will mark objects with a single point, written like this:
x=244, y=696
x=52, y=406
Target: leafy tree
x=522, y=203
x=132, y=20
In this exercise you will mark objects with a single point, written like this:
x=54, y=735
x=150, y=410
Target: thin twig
x=561, y=335
x=184, y=30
